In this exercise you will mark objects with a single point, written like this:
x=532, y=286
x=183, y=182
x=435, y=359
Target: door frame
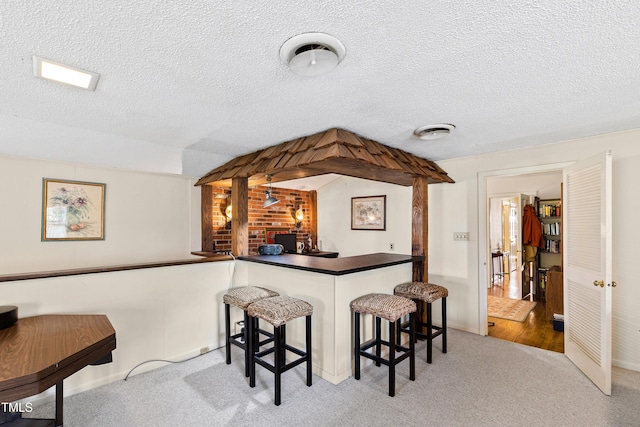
x=484, y=252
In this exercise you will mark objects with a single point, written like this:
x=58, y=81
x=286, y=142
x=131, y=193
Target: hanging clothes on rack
x=531, y=228
x=531, y=240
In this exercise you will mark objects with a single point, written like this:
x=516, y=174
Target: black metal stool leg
x=399, y=331
x=392, y=358
x=412, y=346
x=444, y=324
x=277, y=362
x=227, y=332
x=248, y=355
x=256, y=334
x=429, y=333
x=356, y=346
x=420, y=324
x=249, y=350
x=309, y=351
x=378, y=340
x=283, y=345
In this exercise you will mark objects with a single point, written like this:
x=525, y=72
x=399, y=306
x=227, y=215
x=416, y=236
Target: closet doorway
x=506, y=197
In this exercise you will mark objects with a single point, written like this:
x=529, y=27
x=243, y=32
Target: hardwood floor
x=535, y=331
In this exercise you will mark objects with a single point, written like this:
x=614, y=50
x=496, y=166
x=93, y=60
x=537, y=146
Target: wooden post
x=419, y=228
x=206, y=217
x=240, y=219
x=313, y=196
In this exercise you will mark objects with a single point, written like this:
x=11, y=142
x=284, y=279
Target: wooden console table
x=41, y=351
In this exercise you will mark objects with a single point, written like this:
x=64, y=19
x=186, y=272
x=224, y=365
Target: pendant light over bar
x=270, y=199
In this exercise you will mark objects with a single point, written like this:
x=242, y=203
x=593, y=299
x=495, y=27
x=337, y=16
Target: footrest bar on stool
x=391, y=308
x=278, y=311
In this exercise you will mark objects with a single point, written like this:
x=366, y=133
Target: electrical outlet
x=391, y=246
x=238, y=327
x=460, y=236
x=204, y=350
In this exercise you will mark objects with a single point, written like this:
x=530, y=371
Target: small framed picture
x=368, y=213
x=72, y=210
x=270, y=233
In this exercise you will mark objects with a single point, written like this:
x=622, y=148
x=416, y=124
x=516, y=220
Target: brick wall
x=280, y=215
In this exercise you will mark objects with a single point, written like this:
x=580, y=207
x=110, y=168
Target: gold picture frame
x=369, y=213
x=72, y=210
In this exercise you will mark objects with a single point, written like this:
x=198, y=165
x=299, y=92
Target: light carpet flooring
x=481, y=381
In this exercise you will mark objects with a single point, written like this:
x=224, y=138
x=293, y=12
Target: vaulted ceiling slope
x=333, y=151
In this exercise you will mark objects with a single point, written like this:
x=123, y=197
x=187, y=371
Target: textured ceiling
x=186, y=86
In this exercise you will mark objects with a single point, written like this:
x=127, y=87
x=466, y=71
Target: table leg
x=59, y=398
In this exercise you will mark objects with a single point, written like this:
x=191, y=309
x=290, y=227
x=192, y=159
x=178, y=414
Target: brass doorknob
x=598, y=283
x=613, y=284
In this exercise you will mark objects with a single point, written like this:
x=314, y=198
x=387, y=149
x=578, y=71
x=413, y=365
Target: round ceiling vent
x=434, y=131
x=312, y=54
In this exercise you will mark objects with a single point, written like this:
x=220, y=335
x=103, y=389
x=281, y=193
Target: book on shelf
x=551, y=229
x=549, y=210
x=552, y=246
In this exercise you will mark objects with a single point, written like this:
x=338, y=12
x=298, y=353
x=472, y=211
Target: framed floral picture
x=72, y=210
x=368, y=213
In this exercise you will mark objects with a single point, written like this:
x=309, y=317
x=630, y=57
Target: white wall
x=454, y=207
x=334, y=218
x=166, y=313
x=158, y=313
x=148, y=217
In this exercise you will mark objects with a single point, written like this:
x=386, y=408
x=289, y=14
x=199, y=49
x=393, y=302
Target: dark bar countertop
x=333, y=266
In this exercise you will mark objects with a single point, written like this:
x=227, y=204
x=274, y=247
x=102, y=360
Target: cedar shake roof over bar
x=333, y=151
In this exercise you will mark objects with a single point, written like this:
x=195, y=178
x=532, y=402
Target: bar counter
x=333, y=266
x=329, y=284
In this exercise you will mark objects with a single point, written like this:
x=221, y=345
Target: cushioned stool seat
x=391, y=308
x=242, y=297
x=427, y=293
x=278, y=311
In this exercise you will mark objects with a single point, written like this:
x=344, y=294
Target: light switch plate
x=461, y=236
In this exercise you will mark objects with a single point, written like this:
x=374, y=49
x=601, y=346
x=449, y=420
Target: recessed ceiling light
x=434, y=131
x=62, y=73
x=312, y=54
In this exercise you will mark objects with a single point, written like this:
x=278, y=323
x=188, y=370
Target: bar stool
x=278, y=311
x=391, y=308
x=421, y=293
x=241, y=297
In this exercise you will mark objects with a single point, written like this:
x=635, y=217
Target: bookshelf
x=550, y=256
x=550, y=214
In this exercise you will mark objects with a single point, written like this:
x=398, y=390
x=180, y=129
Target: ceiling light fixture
x=434, y=131
x=312, y=54
x=270, y=200
x=62, y=73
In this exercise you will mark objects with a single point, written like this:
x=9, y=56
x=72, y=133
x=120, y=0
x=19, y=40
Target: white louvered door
x=587, y=268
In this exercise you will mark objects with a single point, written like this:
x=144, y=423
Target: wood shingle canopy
x=333, y=151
